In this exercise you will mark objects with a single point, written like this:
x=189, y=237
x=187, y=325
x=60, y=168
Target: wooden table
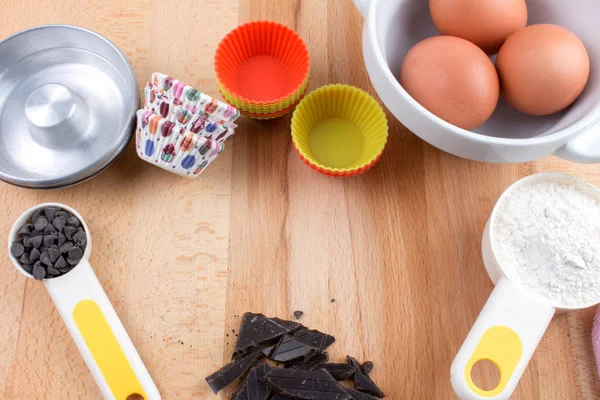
x=181, y=260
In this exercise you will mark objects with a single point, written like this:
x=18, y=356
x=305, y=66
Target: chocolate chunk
x=50, y=212
x=232, y=371
x=252, y=387
x=17, y=250
x=298, y=314
x=26, y=230
x=36, y=241
x=39, y=272
x=367, y=367
x=54, y=254
x=49, y=240
x=25, y=259
x=258, y=331
x=50, y=229
x=313, y=363
x=37, y=233
x=34, y=255
x=59, y=223
x=267, y=351
x=356, y=395
x=75, y=253
x=41, y=223
x=74, y=222
x=290, y=348
x=52, y=272
x=28, y=268
x=62, y=214
x=61, y=263
x=69, y=231
x=306, y=385
x=362, y=382
x=340, y=372
x=45, y=259
x=66, y=247
x=80, y=238
x=72, y=262
x=61, y=239
x=36, y=214
x=319, y=340
x=281, y=397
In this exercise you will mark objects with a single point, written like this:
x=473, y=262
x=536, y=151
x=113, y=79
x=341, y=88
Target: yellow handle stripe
x=105, y=349
x=502, y=346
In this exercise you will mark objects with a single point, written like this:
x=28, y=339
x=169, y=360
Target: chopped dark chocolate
x=291, y=348
x=252, y=387
x=340, y=372
x=305, y=385
x=362, y=381
x=281, y=397
x=367, y=367
x=298, y=314
x=356, y=395
x=232, y=371
x=354, y=362
x=17, y=250
x=268, y=350
x=318, y=339
x=258, y=331
x=316, y=362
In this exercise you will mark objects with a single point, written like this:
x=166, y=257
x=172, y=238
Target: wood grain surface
x=181, y=260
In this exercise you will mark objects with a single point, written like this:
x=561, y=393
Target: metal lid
x=68, y=99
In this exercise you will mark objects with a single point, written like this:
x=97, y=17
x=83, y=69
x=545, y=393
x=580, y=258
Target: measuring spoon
x=93, y=323
x=514, y=319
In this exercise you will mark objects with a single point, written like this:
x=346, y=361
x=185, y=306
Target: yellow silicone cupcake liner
x=263, y=108
x=339, y=130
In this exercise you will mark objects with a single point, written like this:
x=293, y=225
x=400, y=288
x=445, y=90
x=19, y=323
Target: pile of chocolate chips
x=51, y=243
x=306, y=373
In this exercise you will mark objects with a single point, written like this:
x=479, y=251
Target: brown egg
x=487, y=23
x=452, y=78
x=543, y=69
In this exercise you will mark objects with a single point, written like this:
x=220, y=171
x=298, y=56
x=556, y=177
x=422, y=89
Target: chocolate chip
x=37, y=233
x=72, y=262
x=59, y=223
x=54, y=254
x=75, y=253
x=36, y=241
x=74, y=222
x=50, y=229
x=69, y=231
x=39, y=272
x=45, y=259
x=24, y=259
x=65, y=270
x=26, y=230
x=36, y=214
x=53, y=272
x=28, y=268
x=41, y=223
x=34, y=255
x=66, y=247
x=61, y=263
x=50, y=212
x=49, y=240
x=43, y=248
x=17, y=250
x=61, y=239
x=62, y=214
x=80, y=238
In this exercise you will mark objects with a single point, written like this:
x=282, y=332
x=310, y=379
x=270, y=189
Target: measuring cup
x=93, y=323
x=514, y=319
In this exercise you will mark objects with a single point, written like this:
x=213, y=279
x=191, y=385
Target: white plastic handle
x=100, y=336
x=585, y=148
x=506, y=333
x=363, y=6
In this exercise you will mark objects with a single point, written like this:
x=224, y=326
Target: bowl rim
x=370, y=30
x=109, y=156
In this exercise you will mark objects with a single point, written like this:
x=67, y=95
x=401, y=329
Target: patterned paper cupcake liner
x=162, y=143
x=167, y=92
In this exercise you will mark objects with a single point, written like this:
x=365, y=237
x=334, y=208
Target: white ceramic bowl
x=392, y=27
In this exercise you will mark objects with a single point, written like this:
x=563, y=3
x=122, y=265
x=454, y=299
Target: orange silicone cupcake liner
x=275, y=115
x=262, y=63
x=263, y=108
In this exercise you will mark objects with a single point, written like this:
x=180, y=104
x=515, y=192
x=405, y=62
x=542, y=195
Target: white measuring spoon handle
x=100, y=336
x=507, y=332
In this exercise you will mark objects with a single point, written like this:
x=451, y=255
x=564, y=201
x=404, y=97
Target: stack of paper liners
x=162, y=143
x=263, y=68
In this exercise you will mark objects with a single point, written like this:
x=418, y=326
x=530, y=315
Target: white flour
x=547, y=235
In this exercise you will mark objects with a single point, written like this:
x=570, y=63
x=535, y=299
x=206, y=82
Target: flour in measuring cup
x=547, y=236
